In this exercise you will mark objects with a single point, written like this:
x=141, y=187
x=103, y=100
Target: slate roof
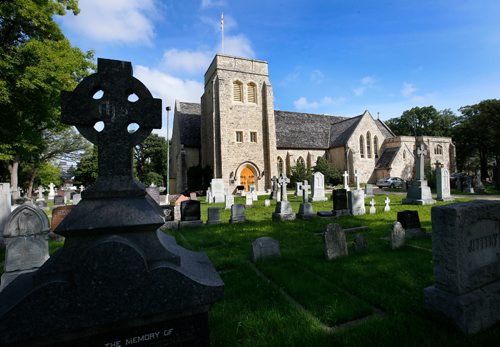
x=189, y=123
x=384, y=129
x=342, y=131
x=386, y=158
x=304, y=130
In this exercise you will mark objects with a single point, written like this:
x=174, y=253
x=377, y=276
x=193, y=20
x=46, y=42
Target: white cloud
x=214, y=22
x=303, y=104
x=367, y=82
x=239, y=46
x=169, y=89
x=193, y=62
x=125, y=21
x=408, y=90
x=317, y=76
x=212, y=3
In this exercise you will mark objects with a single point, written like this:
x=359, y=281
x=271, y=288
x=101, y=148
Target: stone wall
x=290, y=157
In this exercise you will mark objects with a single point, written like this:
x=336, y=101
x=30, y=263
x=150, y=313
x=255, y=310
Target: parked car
x=392, y=182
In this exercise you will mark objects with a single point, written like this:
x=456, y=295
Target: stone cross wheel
x=126, y=112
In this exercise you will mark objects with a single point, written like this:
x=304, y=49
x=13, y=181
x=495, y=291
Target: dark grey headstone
x=335, y=245
x=237, y=213
x=411, y=223
x=306, y=211
x=213, y=215
x=360, y=244
x=340, y=201
x=190, y=210
x=265, y=247
x=58, y=200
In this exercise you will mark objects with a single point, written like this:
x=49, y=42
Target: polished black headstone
x=340, y=199
x=190, y=210
x=58, y=200
x=409, y=219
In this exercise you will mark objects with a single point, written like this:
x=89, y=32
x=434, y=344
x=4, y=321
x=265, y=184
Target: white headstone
x=255, y=197
x=229, y=202
x=267, y=202
x=346, y=180
x=397, y=235
x=248, y=200
x=52, y=193
x=209, y=197
x=318, y=187
x=443, y=184
x=357, y=202
x=217, y=188
x=373, y=210
x=387, y=207
x=356, y=178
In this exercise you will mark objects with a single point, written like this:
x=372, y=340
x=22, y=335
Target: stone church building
x=236, y=131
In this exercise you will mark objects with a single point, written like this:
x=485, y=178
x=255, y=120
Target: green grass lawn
x=371, y=298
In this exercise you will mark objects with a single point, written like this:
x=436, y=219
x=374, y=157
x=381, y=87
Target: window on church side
x=237, y=91
x=300, y=160
x=438, y=150
x=253, y=136
x=375, y=146
x=361, y=146
x=368, y=145
x=280, y=166
x=252, y=93
x=239, y=136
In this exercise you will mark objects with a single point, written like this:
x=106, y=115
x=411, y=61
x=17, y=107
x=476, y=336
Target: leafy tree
x=477, y=134
x=151, y=157
x=36, y=63
x=47, y=173
x=420, y=121
x=331, y=173
x=87, y=169
x=299, y=173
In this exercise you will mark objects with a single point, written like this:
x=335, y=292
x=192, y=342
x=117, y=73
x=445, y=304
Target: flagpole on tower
x=222, y=30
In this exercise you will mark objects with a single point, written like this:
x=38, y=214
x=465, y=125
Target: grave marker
x=265, y=247
x=335, y=245
x=373, y=210
x=217, y=189
x=357, y=202
x=237, y=214
x=318, y=187
x=397, y=237
x=213, y=215
x=387, y=207
x=411, y=223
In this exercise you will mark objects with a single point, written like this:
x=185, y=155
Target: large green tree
x=150, y=159
x=420, y=121
x=331, y=173
x=477, y=135
x=36, y=63
x=87, y=168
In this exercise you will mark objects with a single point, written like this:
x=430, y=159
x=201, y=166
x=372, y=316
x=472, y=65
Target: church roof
x=384, y=129
x=342, y=131
x=304, y=130
x=387, y=158
x=189, y=123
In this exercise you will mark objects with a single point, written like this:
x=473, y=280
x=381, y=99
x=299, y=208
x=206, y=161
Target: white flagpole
x=222, y=30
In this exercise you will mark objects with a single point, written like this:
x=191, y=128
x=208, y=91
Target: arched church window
x=375, y=146
x=237, y=91
x=280, y=166
x=252, y=92
x=300, y=160
x=438, y=150
x=361, y=146
x=368, y=145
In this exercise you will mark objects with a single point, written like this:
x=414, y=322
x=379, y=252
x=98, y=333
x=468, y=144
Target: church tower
x=238, y=132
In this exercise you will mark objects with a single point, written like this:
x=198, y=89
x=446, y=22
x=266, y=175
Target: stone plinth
x=465, y=248
x=306, y=211
x=419, y=193
x=283, y=211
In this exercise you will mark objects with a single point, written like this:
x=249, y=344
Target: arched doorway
x=247, y=177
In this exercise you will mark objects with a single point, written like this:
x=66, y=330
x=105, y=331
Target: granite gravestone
x=318, y=187
x=305, y=209
x=217, y=189
x=369, y=190
x=26, y=244
x=58, y=200
x=40, y=192
x=411, y=223
x=213, y=215
x=335, y=244
x=443, y=184
x=76, y=198
x=67, y=195
x=465, y=249
x=340, y=202
x=356, y=179
x=190, y=213
x=419, y=193
x=397, y=236
x=283, y=210
x=274, y=188
x=237, y=214
x=58, y=214
x=357, y=202
x=229, y=201
x=117, y=279
x=265, y=247
x=359, y=243
x=478, y=184
x=255, y=197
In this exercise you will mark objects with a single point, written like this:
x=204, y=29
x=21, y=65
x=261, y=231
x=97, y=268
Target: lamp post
x=168, y=150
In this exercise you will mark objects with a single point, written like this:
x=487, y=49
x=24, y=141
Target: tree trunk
x=33, y=174
x=13, y=168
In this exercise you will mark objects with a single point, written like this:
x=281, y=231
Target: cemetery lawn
x=372, y=298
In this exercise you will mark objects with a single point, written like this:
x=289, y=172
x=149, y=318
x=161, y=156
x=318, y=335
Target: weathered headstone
x=419, y=193
x=340, y=202
x=468, y=185
x=168, y=211
x=305, y=191
x=67, y=196
x=229, y=201
x=58, y=200
x=298, y=189
x=52, y=192
x=177, y=212
x=306, y=211
x=116, y=268
x=76, y=198
x=40, y=197
x=255, y=197
x=265, y=247
x=213, y=215
x=58, y=214
x=443, y=184
x=346, y=181
x=267, y=203
x=357, y=202
x=478, y=184
x=369, y=190
x=356, y=179
x=248, y=200
x=359, y=243
x=335, y=244
x=373, y=210
x=217, y=189
x=26, y=244
x=411, y=223
x=274, y=188
x=282, y=182
x=237, y=214
x=318, y=187
x=397, y=236
x=154, y=192
x=387, y=207
x=283, y=211
x=465, y=249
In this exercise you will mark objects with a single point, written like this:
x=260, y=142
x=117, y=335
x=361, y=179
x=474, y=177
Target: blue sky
x=327, y=57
